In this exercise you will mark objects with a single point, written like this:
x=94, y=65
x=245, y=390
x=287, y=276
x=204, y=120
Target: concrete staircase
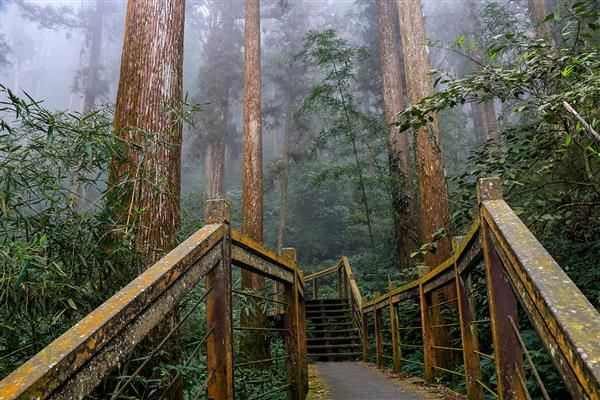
x=331, y=336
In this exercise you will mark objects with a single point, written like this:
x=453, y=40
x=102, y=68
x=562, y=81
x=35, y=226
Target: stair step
x=333, y=346
x=329, y=311
x=326, y=317
x=347, y=354
x=330, y=323
x=332, y=338
x=325, y=301
x=332, y=331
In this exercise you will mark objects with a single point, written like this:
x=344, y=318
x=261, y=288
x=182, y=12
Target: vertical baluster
x=469, y=342
x=292, y=320
x=428, y=337
x=365, y=334
x=219, y=344
x=378, y=338
x=315, y=288
x=502, y=304
x=395, y=343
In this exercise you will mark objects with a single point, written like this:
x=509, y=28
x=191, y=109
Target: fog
x=48, y=50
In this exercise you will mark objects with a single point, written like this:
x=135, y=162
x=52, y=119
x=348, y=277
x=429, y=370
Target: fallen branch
x=585, y=125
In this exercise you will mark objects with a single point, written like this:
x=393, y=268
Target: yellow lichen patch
x=318, y=389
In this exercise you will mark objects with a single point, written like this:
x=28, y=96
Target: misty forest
x=175, y=176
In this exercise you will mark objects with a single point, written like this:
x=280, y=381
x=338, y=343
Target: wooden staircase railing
x=517, y=270
x=74, y=364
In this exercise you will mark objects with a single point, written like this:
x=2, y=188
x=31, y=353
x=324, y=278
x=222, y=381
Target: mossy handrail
x=518, y=270
x=74, y=364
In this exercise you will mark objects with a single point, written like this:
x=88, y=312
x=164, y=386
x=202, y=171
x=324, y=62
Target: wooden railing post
x=219, y=344
x=292, y=323
x=395, y=342
x=502, y=305
x=365, y=333
x=379, y=338
x=315, y=288
x=428, y=337
x=468, y=337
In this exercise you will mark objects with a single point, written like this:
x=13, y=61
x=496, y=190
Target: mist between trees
x=371, y=126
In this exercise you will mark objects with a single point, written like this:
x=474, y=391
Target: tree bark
x=434, y=205
x=285, y=160
x=151, y=80
x=95, y=32
x=403, y=201
x=487, y=109
x=214, y=157
x=253, y=345
x=538, y=11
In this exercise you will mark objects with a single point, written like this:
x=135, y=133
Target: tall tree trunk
x=491, y=120
x=95, y=32
x=253, y=345
x=435, y=209
x=91, y=81
x=214, y=159
x=538, y=11
x=487, y=109
x=434, y=203
x=479, y=122
x=403, y=202
x=285, y=160
x=150, y=80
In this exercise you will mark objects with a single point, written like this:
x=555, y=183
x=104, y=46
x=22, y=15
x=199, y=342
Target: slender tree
x=94, y=33
x=399, y=161
x=434, y=206
x=285, y=161
x=215, y=84
x=487, y=108
x=538, y=11
x=254, y=346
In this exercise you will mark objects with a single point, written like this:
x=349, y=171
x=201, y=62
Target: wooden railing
x=516, y=270
x=346, y=289
x=78, y=361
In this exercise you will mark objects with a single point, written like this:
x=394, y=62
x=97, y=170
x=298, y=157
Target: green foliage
x=55, y=264
x=352, y=141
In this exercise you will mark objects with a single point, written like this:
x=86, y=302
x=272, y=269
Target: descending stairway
x=331, y=336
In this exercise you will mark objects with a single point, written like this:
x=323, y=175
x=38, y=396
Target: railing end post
x=489, y=189
x=290, y=253
x=217, y=211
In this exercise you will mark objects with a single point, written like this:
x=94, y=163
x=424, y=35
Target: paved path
x=356, y=381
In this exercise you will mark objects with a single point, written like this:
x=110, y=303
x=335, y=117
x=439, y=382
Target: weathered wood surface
x=55, y=364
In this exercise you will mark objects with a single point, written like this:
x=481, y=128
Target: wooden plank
x=253, y=262
x=379, y=339
x=292, y=343
x=219, y=312
x=42, y=374
x=469, y=342
x=569, y=326
x=365, y=336
x=502, y=305
x=428, y=338
x=395, y=343
x=253, y=246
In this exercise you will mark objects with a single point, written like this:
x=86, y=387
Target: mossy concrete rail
x=74, y=364
x=517, y=270
x=512, y=269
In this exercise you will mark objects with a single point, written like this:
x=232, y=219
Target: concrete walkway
x=356, y=381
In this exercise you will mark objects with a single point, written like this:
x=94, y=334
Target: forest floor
x=357, y=380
